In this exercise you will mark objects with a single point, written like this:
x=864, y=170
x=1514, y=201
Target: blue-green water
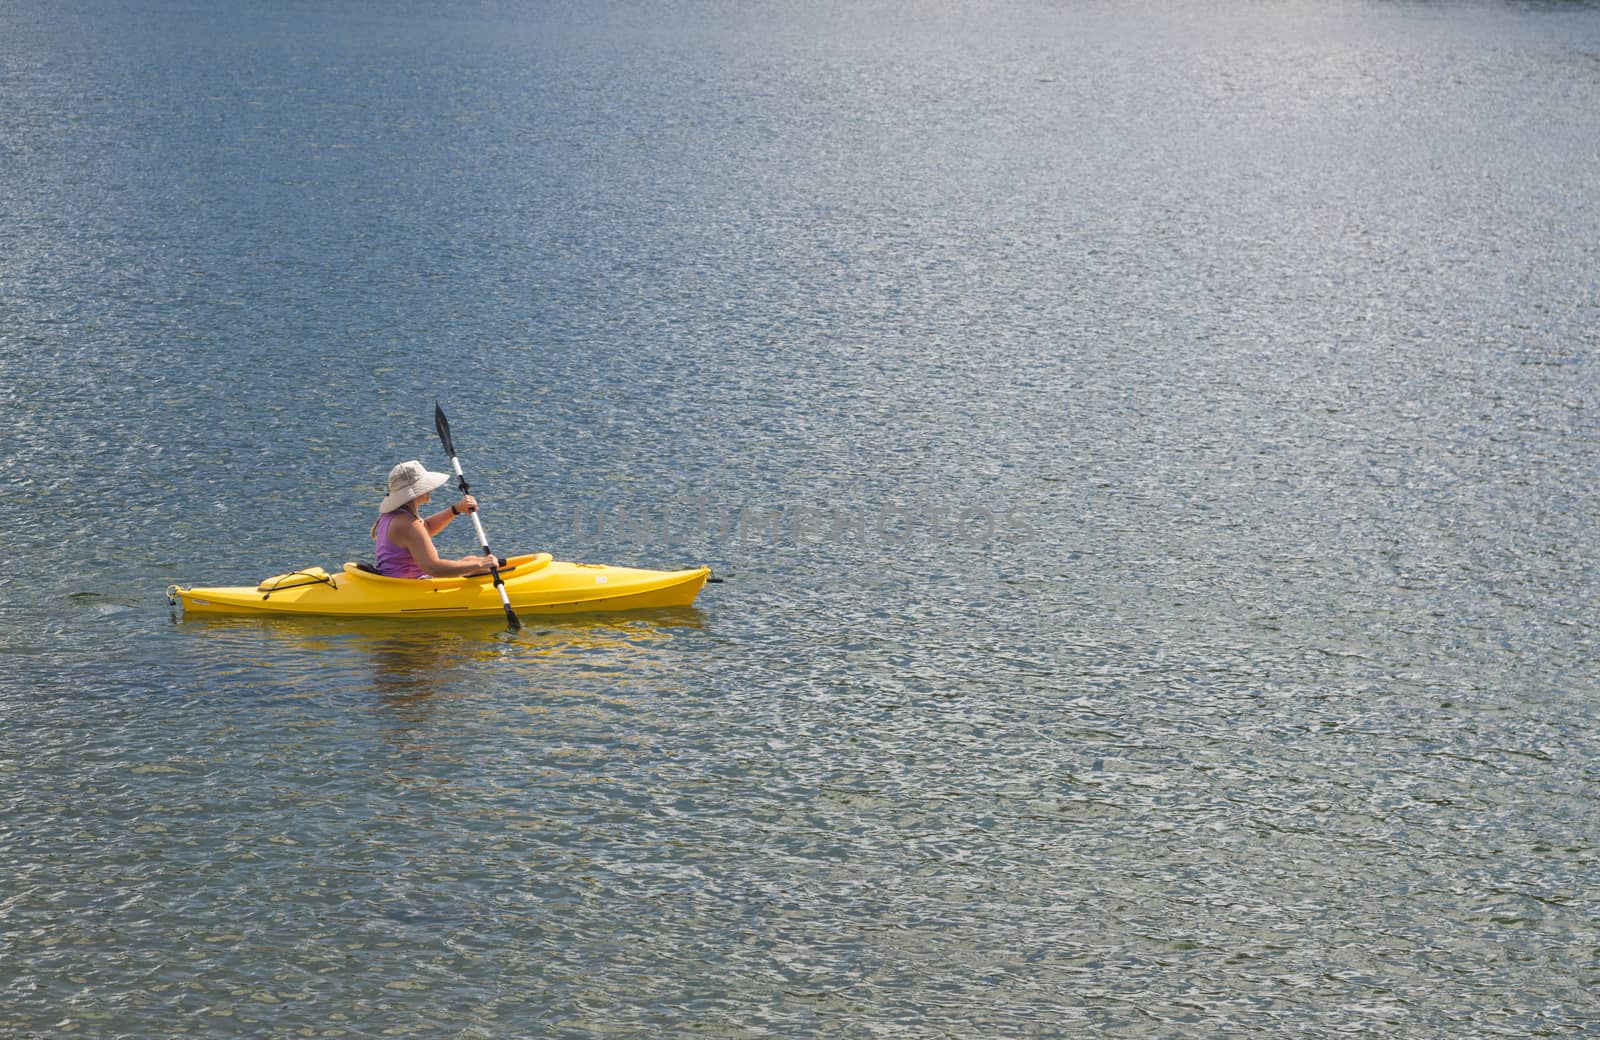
x=1151, y=449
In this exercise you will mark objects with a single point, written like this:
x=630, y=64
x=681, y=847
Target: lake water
x=1151, y=449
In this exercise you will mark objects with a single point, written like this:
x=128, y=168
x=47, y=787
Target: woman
x=405, y=540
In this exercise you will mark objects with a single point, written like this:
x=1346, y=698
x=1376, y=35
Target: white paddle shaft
x=483, y=539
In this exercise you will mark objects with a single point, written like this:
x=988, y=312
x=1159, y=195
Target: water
x=1189, y=416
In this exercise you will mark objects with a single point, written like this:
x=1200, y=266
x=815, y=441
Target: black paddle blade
x=443, y=426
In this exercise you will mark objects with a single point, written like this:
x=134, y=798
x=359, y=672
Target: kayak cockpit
x=515, y=566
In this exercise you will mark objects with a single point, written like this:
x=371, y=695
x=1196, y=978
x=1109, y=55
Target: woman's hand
x=468, y=504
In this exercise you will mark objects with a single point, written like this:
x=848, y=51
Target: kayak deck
x=535, y=584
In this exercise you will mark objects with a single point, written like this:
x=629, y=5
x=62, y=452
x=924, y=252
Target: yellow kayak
x=535, y=583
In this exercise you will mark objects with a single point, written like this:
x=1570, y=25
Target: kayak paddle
x=443, y=426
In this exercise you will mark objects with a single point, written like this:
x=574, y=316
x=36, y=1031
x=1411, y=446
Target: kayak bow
x=533, y=584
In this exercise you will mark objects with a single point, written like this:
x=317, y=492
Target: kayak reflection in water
x=405, y=540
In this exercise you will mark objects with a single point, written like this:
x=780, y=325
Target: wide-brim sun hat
x=407, y=481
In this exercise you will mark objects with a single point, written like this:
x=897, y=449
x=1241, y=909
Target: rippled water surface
x=1151, y=449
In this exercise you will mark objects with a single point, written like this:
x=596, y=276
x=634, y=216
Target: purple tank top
x=392, y=559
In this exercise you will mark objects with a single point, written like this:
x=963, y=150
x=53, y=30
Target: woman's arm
x=440, y=520
x=412, y=535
